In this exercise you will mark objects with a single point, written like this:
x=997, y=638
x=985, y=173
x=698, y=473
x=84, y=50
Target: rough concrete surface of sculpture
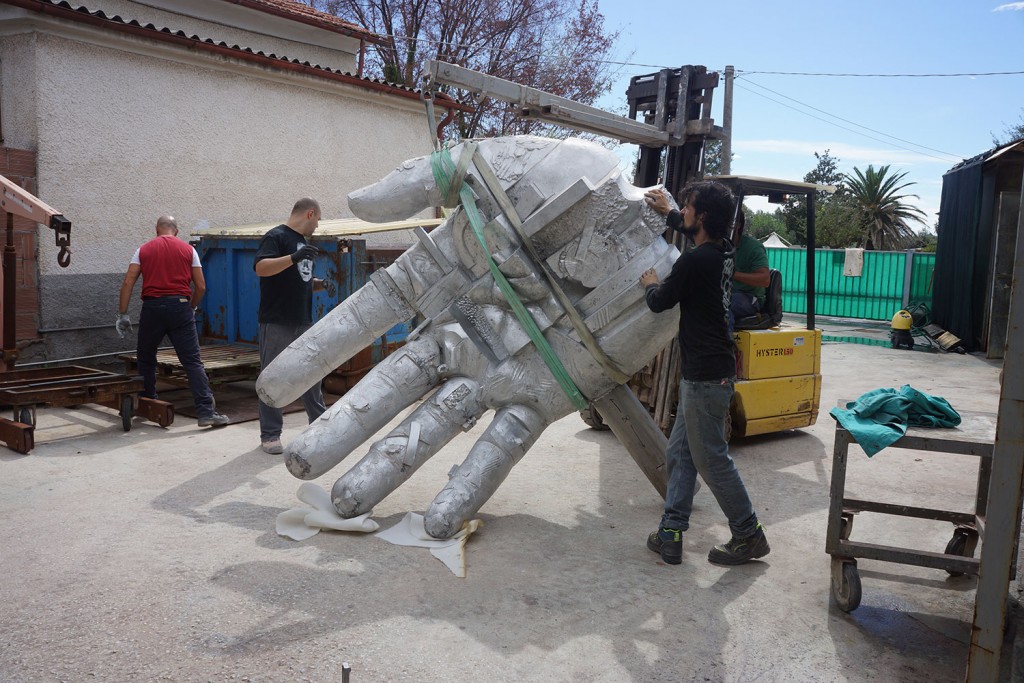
x=593, y=235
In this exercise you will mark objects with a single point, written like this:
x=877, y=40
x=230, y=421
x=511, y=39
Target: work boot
x=740, y=550
x=667, y=542
x=214, y=420
x=272, y=446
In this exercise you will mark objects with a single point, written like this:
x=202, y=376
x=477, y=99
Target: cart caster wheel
x=845, y=527
x=593, y=419
x=27, y=416
x=845, y=585
x=963, y=544
x=127, y=411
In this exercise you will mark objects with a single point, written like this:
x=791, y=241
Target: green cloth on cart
x=880, y=417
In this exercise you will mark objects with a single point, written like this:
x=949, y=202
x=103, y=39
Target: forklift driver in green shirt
x=751, y=277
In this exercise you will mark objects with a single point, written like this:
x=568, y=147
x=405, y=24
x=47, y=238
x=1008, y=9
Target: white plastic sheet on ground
x=451, y=551
x=301, y=523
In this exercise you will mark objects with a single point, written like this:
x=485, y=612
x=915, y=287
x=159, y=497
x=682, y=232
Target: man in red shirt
x=169, y=268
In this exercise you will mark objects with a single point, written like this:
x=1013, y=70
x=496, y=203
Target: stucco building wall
x=127, y=129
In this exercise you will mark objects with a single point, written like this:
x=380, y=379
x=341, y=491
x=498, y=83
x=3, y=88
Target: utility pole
x=727, y=122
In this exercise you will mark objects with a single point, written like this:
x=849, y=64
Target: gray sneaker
x=272, y=446
x=215, y=420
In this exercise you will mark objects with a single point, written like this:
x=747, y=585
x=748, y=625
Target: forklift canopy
x=776, y=190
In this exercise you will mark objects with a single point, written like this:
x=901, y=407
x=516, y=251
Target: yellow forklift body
x=778, y=384
x=778, y=352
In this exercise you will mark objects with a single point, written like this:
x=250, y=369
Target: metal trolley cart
x=23, y=391
x=975, y=436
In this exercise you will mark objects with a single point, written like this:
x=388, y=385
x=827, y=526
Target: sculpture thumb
x=408, y=189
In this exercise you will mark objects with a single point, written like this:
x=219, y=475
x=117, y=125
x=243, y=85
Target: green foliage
x=837, y=225
x=826, y=172
x=924, y=241
x=712, y=157
x=881, y=212
x=761, y=224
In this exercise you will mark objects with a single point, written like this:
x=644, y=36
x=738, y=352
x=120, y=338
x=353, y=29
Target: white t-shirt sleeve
x=195, y=259
x=135, y=258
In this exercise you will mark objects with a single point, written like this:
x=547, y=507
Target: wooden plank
x=223, y=363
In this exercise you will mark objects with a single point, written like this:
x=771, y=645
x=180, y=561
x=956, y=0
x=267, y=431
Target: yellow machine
x=778, y=380
x=778, y=366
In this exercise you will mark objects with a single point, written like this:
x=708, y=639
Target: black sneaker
x=740, y=550
x=667, y=542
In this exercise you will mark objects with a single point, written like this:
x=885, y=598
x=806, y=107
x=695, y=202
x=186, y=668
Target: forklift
x=778, y=365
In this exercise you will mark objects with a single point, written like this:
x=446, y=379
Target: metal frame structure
x=973, y=437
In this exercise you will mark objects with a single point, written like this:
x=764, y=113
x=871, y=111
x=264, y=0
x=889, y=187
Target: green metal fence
x=888, y=281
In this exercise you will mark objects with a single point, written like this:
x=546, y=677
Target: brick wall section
x=19, y=166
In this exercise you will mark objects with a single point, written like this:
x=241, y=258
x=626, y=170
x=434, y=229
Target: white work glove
x=123, y=325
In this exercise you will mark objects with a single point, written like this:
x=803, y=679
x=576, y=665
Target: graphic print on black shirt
x=700, y=283
x=285, y=298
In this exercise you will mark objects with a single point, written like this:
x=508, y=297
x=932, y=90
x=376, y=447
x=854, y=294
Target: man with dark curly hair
x=701, y=284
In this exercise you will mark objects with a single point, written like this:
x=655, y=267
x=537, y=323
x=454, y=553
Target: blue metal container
x=228, y=312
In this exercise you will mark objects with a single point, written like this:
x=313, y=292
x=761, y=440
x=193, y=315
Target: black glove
x=306, y=252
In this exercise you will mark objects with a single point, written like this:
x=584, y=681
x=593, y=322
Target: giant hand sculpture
x=568, y=233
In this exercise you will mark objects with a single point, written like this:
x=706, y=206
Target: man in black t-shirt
x=701, y=284
x=284, y=264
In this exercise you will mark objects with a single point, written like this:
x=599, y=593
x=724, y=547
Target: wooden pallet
x=223, y=362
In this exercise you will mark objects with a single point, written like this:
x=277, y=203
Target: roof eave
x=352, y=31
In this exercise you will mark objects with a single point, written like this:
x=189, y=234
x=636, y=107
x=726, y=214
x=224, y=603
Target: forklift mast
x=677, y=101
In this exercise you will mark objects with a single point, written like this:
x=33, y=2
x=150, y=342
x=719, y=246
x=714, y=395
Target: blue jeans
x=697, y=445
x=173, y=316
x=743, y=305
x=273, y=340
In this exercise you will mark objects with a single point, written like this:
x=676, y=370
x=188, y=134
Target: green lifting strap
x=578, y=324
x=444, y=169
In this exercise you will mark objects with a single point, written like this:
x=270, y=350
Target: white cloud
x=844, y=152
x=1010, y=6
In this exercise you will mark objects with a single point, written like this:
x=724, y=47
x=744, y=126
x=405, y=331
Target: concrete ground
x=151, y=555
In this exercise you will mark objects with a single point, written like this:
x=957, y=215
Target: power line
x=857, y=132
x=847, y=75
x=804, y=104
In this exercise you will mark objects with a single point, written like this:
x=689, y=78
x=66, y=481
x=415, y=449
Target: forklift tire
x=728, y=426
x=593, y=419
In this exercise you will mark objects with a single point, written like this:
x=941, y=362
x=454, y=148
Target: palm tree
x=885, y=217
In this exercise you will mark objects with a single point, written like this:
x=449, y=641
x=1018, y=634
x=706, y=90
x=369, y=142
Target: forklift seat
x=771, y=316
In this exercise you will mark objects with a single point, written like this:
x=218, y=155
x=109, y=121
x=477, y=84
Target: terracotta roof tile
x=299, y=11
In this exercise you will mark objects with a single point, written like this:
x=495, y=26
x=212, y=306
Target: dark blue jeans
x=273, y=340
x=743, y=305
x=697, y=445
x=172, y=316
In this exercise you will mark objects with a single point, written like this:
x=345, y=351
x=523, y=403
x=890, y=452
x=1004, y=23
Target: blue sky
x=920, y=125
